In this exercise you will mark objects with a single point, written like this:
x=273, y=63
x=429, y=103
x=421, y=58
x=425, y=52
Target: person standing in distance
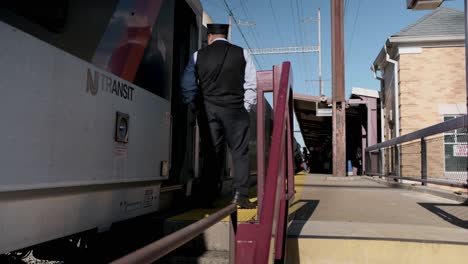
x=220, y=83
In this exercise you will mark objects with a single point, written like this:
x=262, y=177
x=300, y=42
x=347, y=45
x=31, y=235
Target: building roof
x=365, y=92
x=443, y=21
x=314, y=129
x=444, y=26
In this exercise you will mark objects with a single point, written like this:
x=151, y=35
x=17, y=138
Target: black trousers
x=220, y=125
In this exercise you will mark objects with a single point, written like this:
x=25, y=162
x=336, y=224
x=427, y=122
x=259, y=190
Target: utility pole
x=338, y=88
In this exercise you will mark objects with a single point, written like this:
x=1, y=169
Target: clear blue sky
x=279, y=23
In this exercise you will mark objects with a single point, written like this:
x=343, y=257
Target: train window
x=51, y=15
x=74, y=26
x=137, y=44
x=168, y=49
x=155, y=69
x=135, y=40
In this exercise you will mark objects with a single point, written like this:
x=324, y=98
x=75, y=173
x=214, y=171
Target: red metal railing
x=265, y=240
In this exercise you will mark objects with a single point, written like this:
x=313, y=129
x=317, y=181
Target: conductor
x=220, y=83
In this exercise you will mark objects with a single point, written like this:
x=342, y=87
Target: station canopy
x=314, y=118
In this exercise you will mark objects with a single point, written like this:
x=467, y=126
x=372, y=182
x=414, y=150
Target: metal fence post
x=367, y=168
x=382, y=162
x=423, y=161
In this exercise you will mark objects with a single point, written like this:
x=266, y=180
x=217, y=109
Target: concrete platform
x=356, y=220
x=358, y=200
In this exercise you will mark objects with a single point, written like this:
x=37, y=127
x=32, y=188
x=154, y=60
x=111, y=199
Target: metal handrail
x=431, y=181
x=164, y=246
x=422, y=135
x=452, y=124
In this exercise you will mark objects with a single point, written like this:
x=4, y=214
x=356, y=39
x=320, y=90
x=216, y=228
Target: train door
x=186, y=42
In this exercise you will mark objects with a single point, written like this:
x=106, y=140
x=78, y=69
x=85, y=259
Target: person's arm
x=250, y=84
x=188, y=82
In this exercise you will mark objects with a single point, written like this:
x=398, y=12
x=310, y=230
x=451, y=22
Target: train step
x=215, y=238
x=206, y=257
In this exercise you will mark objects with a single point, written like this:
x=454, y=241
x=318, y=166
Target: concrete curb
x=422, y=189
x=346, y=178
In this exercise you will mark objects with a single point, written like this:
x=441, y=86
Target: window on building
x=456, y=145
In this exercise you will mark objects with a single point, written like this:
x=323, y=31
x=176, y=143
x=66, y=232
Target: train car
x=94, y=130
x=92, y=117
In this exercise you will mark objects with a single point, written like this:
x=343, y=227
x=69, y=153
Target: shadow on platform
x=302, y=214
x=456, y=214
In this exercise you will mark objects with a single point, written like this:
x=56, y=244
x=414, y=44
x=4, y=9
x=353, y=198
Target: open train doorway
x=184, y=132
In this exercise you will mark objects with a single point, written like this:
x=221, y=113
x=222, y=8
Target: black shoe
x=243, y=201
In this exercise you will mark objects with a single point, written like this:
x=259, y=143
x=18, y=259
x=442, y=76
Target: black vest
x=227, y=88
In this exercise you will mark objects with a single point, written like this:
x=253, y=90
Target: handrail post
x=368, y=169
x=281, y=216
x=291, y=184
x=287, y=183
x=264, y=84
x=260, y=148
x=382, y=161
x=423, y=161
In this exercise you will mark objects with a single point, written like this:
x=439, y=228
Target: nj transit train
x=93, y=129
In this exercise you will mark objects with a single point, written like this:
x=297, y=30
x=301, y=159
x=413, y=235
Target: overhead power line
x=284, y=50
x=275, y=20
x=352, y=31
x=346, y=6
x=238, y=28
x=297, y=26
x=250, y=29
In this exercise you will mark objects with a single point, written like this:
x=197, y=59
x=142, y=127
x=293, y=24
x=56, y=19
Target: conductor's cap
x=218, y=29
